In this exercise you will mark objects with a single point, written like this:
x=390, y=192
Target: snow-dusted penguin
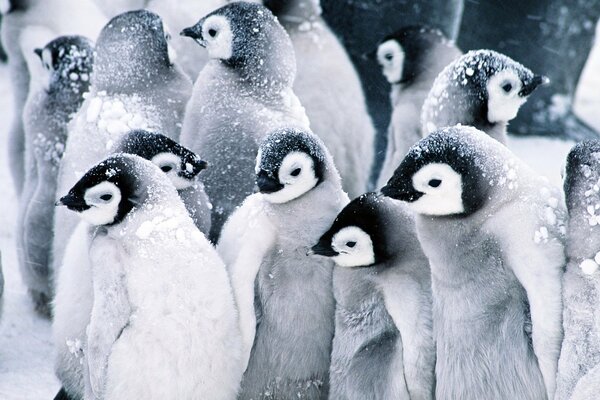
x=410, y=59
x=134, y=86
x=484, y=89
x=59, y=79
x=287, y=318
x=581, y=283
x=163, y=322
x=493, y=231
x=329, y=88
x=383, y=345
x=73, y=284
x=27, y=25
x=242, y=94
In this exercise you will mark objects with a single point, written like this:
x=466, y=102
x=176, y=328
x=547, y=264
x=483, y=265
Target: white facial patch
x=297, y=175
x=218, y=37
x=48, y=70
x=170, y=49
x=103, y=200
x=442, y=190
x=170, y=164
x=354, y=246
x=503, y=96
x=391, y=58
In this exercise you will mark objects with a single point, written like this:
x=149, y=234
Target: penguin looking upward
x=151, y=264
x=410, y=59
x=580, y=352
x=74, y=297
x=493, y=232
x=383, y=345
x=243, y=93
x=329, y=88
x=264, y=246
x=60, y=77
x=134, y=86
x=484, y=89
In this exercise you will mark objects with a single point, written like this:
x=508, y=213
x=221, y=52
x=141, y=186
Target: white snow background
x=26, y=355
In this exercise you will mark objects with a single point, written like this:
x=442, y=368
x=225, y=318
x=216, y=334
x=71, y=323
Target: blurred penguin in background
x=330, y=90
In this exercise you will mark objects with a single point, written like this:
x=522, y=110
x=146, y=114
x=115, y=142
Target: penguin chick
x=243, y=93
x=74, y=297
x=64, y=78
x=410, y=59
x=581, y=284
x=383, y=345
x=135, y=86
x=484, y=89
x=299, y=196
x=493, y=232
x=329, y=87
x=163, y=323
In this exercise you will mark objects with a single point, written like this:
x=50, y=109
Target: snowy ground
x=25, y=346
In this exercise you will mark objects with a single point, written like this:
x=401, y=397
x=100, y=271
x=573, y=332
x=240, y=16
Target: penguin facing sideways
x=483, y=89
x=65, y=77
x=383, y=345
x=74, y=294
x=158, y=284
x=291, y=321
x=329, y=88
x=580, y=352
x=243, y=93
x=27, y=25
x=410, y=59
x=134, y=86
x=493, y=232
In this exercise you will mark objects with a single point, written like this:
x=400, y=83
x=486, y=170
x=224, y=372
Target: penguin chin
x=437, y=206
x=179, y=182
x=291, y=192
x=99, y=215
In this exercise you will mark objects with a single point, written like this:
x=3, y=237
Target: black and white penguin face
x=391, y=58
x=217, y=37
x=106, y=193
x=67, y=61
x=289, y=164
x=353, y=246
x=440, y=175
x=180, y=164
x=507, y=93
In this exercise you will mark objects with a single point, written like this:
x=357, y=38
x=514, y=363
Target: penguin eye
x=106, y=197
x=507, y=87
x=388, y=56
x=212, y=32
x=168, y=36
x=296, y=172
x=434, y=183
x=166, y=168
x=351, y=244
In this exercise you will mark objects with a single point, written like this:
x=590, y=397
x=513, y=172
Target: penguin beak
x=538, y=80
x=322, y=249
x=72, y=202
x=398, y=192
x=195, y=32
x=192, y=167
x=38, y=52
x=267, y=183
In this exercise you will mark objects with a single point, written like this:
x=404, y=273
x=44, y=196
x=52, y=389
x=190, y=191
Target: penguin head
x=179, y=163
x=402, y=54
x=247, y=37
x=107, y=192
x=68, y=61
x=131, y=49
x=290, y=163
x=443, y=174
x=356, y=237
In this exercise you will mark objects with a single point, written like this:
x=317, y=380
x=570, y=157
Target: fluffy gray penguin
x=581, y=283
x=243, y=93
x=287, y=318
x=484, y=89
x=410, y=59
x=29, y=24
x=158, y=284
x=493, y=232
x=134, y=86
x=329, y=88
x=74, y=297
x=67, y=66
x=383, y=345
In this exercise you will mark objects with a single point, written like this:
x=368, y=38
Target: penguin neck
x=297, y=12
x=497, y=131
